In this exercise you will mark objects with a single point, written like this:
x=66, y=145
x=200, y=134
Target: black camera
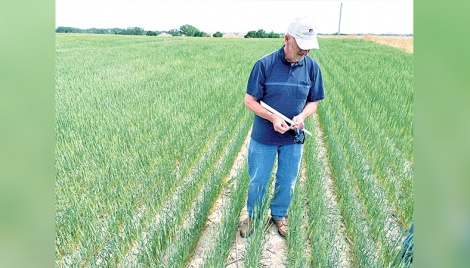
x=298, y=134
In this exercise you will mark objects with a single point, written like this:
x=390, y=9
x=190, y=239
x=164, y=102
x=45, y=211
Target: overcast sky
x=372, y=16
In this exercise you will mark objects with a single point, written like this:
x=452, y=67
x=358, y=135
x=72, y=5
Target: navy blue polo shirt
x=284, y=87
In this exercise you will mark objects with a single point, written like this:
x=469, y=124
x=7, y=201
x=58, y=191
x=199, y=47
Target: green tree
x=250, y=34
x=189, y=30
x=273, y=35
x=62, y=29
x=135, y=31
x=217, y=34
x=175, y=32
x=117, y=31
x=202, y=34
x=261, y=34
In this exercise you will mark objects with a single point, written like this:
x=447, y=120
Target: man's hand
x=299, y=120
x=280, y=125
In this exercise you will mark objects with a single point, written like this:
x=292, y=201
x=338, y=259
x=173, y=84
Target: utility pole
x=339, y=26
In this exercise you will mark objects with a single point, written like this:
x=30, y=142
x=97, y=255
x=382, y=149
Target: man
x=291, y=82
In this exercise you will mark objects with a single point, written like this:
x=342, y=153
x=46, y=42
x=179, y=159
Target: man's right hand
x=280, y=125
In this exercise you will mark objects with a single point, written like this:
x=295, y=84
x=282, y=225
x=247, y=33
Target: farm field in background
x=149, y=130
x=402, y=42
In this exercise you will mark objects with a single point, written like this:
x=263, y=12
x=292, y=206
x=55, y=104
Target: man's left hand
x=300, y=122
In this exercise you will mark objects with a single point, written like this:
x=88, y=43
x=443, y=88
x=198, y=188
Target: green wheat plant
x=148, y=128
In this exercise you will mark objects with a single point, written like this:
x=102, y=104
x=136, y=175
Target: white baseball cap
x=304, y=31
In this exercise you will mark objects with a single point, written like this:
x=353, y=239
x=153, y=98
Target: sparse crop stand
x=148, y=129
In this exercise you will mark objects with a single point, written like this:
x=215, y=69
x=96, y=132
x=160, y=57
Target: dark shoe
x=246, y=227
x=281, y=227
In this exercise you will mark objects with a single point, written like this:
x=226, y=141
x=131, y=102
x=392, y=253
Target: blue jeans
x=260, y=164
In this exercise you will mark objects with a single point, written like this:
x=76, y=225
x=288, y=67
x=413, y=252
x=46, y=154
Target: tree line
x=184, y=30
x=128, y=31
x=261, y=34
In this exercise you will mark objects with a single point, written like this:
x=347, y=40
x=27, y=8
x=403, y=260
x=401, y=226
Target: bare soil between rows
x=274, y=250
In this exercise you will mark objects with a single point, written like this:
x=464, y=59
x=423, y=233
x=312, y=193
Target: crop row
x=355, y=204
x=141, y=125
x=148, y=130
x=367, y=123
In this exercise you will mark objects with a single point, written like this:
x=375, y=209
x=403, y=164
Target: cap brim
x=307, y=44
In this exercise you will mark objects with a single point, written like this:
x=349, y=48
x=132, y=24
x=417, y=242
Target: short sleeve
x=256, y=81
x=316, y=91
